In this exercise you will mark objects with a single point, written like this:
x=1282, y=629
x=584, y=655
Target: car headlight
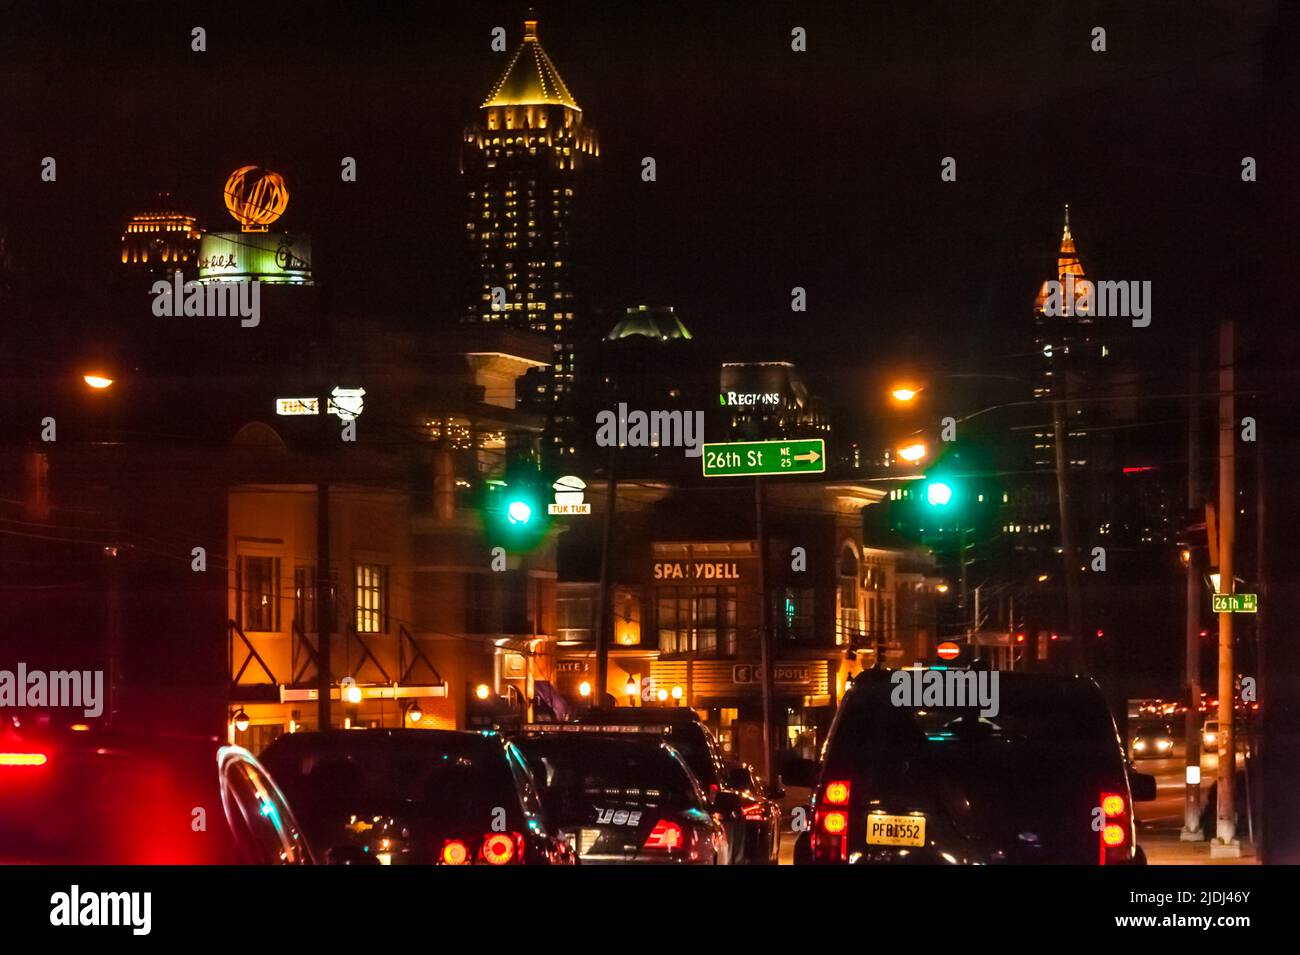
x=1164, y=743
x=1139, y=744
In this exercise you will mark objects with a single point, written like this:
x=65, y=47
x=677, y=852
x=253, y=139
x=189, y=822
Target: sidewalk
x=1164, y=848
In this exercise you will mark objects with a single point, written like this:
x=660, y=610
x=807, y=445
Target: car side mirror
x=800, y=771
x=1142, y=785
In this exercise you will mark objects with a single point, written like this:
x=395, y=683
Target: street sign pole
x=765, y=635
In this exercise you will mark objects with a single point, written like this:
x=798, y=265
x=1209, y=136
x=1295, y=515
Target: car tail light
x=23, y=759
x=1116, y=830
x=714, y=789
x=665, y=837
x=454, y=852
x=829, y=837
x=502, y=848
x=837, y=792
x=753, y=812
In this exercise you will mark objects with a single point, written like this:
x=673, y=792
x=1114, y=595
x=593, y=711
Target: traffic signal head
x=938, y=493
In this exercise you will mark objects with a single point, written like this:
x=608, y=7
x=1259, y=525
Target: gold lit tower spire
x=526, y=159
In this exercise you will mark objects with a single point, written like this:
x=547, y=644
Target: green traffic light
x=938, y=494
x=519, y=512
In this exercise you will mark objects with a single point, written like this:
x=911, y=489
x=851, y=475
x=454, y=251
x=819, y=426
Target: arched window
x=850, y=616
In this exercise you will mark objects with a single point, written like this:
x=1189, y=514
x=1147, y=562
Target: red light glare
x=834, y=823
x=454, y=852
x=1113, y=835
x=498, y=849
x=837, y=792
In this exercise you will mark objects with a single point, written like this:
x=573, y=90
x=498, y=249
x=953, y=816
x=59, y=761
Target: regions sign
x=754, y=458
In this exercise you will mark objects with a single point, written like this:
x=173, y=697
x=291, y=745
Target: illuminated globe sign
x=256, y=197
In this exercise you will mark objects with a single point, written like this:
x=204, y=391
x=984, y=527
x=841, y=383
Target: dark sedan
x=628, y=800
x=415, y=797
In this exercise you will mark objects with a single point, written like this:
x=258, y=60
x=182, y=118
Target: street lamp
x=414, y=713
x=903, y=393
x=677, y=693
x=482, y=691
x=630, y=687
x=97, y=381
x=913, y=452
x=584, y=689
x=241, y=721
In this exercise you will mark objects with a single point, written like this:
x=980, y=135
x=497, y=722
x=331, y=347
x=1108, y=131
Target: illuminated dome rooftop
x=650, y=321
x=530, y=79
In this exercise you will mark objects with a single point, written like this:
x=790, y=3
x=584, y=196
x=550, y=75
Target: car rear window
x=411, y=778
x=1049, y=713
x=573, y=770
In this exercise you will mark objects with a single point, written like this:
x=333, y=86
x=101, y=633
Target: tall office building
x=526, y=160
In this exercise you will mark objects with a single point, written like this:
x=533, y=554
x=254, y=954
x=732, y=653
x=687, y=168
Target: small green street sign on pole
x=754, y=458
x=1236, y=603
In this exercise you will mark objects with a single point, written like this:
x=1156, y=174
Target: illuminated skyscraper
x=526, y=159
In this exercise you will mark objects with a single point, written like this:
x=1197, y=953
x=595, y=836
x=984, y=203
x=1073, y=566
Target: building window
x=258, y=581
x=793, y=613
x=850, y=622
x=697, y=621
x=574, y=618
x=372, y=598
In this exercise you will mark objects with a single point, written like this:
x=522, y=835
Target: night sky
x=775, y=168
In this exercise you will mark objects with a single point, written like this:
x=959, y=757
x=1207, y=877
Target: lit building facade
x=526, y=161
x=161, y=240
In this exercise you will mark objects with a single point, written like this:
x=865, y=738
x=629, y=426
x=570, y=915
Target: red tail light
x=1116, y=829
x=829, y=837
x=23, y=759
x=454, y=852
x=837, y=792
x=502, y=848
x=665, y=837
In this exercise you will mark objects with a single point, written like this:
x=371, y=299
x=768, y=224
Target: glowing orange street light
x=904, y=394
x=99, y=382
x=911, y=453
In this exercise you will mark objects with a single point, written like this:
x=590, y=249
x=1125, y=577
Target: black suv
x=1043, y=779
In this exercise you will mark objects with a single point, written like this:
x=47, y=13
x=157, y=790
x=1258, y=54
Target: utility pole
x=1192, y=672
x=1226, y=843
x=961, y=602
x=765, y=633
x=324, y=608
x=603, y=615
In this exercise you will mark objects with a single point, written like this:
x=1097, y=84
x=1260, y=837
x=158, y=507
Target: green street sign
x=754, y=458
x=1234, y=603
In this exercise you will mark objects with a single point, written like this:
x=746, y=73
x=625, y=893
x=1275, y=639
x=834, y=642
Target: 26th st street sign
x=1235, y=603
x=754, y=458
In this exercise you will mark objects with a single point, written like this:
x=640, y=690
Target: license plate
x=885, y=830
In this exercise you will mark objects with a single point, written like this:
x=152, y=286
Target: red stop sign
x=948, y=651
